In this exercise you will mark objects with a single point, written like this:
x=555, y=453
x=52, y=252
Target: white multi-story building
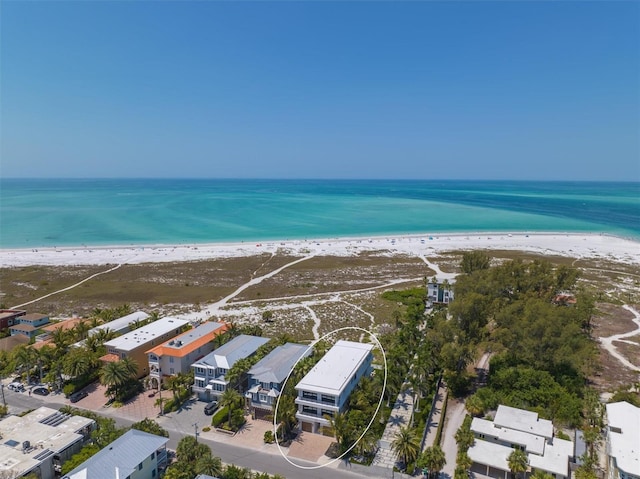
x=267, y=375
x=512, y=429
x=439, y=292
x=325, y=390
x=623, y=441
x=178, y=354
x=40, y=442
x=134, y=455
x=136, y=343
x=209, y=372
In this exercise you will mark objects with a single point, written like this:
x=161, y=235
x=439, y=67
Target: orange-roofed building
x=178, y=354
x=64, y=325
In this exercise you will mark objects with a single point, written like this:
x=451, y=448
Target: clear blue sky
x=459, y=90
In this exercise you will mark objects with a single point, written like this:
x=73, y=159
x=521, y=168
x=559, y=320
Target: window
x=309, y=410
x=153, y=473
x=309, y=395
x=325, y=398
x=327, y=412
x=171, y=371
x=153, y=455
x=122, y=355
x=140, y=467
x=263, y=398
x=200, y=370
x=171, y=359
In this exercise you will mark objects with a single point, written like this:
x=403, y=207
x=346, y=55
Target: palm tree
x=25, y=358
x=474, y=405
x=464, y=461
x=209, y=465
x=80, y=330
x=518, y=462
x=433, y=459
x=61, y=339
x=78, y=362
x=114, y=375
x=286, y=415
x=231, y=399
x=341, y=430
x=130, y=366
x=406, y=445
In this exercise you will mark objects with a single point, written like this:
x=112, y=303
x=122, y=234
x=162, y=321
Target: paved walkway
x=400, y=417
x=431, y=429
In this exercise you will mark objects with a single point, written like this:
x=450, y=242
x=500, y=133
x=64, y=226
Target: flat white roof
x=531, y=442
x=555, y=459
x=521, y=420
x=120, y=323
x=625, y=445
x=144, y=335
x=48, y=432
x=331, y=374
x=185, y=339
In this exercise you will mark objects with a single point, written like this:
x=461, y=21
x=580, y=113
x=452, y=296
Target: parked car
x=210, y=408
x=17, y=387
x=75, y=397
x=40, y=391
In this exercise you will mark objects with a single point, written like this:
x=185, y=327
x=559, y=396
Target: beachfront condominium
x=268, y=374
x=176, y=355
x=40, y=442
x=325, y=390
x=210, y=372
x=512, y=429
x=119, y=326
x=623, y=441
x=136, y=343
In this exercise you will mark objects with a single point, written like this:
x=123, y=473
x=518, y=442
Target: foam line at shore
x=577, y=245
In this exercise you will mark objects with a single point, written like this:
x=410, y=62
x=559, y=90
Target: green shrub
x=206, y=429
x=220, y=416
x=69, y=389
x=268, y=437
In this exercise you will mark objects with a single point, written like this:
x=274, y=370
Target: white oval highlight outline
x=373, y=418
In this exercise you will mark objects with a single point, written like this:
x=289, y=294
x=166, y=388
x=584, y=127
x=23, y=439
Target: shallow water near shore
x=76, y=212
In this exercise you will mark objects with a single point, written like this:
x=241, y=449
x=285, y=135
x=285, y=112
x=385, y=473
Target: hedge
x=219, y=417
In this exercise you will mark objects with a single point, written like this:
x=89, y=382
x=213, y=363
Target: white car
x=18, y=387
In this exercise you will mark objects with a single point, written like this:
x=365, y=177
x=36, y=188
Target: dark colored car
x=210, y=408
x=40, y=391
x=75, y=397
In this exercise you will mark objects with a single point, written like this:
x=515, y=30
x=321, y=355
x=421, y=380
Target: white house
x=134, y=455
x=623, y=441
x=268, y=374
x=439, y=292
x=40, y=442
x=325, y=389
x=209, y=372
x=513, y=429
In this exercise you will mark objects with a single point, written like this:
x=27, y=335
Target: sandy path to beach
x=607, y=343
x=67, y=288
x=214, y=308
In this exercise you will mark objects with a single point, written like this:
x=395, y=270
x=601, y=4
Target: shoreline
x=571, y=244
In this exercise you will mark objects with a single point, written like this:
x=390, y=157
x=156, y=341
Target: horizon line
x=207, y=178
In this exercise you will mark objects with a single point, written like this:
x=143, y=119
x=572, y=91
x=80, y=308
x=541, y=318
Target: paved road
x=230, y=454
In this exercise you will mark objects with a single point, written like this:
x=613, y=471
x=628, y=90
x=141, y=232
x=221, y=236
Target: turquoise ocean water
x=39, y=212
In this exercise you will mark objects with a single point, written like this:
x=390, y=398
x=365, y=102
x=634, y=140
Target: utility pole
x=4, y=402
x=195, y=425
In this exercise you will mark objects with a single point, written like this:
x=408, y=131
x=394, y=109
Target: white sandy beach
x=575, y=245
